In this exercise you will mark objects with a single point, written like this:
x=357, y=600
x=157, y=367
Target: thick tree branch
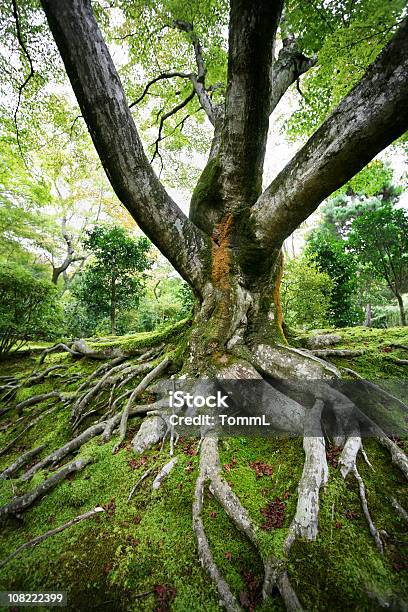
x=252, y=32
x=369, y=118
x=198, y=80
x=287, y=69
x=104, y=107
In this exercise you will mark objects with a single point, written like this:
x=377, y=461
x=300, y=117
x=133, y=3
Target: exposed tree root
x=29, y=426
x=348, y=463
x=376, y=388
x=101, y=370
x=60, y=453
x=19, y=504
x=51, y=532
x=314, y=476
x=322, y=341
x=164, y=472
x=60, y=347
x=204, y=552
x=363, y=497
x=141, y=479
x=144, y=383
x=79, y=349
x=401, y=511
x=22, y=460
x=36, y=399
x=337, y=352
x=286, y=414
x=275, y=572
x=398, y=457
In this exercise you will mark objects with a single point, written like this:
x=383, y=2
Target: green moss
x=106, y=561
x=206, y=198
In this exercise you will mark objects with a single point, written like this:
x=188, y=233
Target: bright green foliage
x=380, y=239
x=373, y=180
x=23, y=198
x=332, y=257
x=305, y=294
x=114, y=280
x=347, y=37
x=28, y=307
x=167, y=299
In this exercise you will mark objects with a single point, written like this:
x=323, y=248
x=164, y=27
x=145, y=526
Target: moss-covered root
x=19, y=504
x=204, y=552
x=142, y=386
x=275, y=572
x=348, y=463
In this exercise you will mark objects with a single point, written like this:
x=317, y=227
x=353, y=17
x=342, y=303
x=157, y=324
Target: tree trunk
x=368, y=315
x=401, y=309
x=113, y=307
x=55, y=275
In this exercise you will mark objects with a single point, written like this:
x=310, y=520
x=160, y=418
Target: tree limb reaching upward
x=198, y=80
x=287, y=69
x=105, y=109
x=368, y=119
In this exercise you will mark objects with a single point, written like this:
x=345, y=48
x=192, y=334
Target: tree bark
x=368, y=315
x=113, y=307
x=401, y=309
x=368, y=119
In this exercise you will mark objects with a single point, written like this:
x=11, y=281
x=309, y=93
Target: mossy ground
x=119, y=560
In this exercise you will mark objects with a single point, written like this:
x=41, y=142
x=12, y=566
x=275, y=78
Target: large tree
x=229, y=248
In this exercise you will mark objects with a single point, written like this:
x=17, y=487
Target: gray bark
x=369, y=118
x=18, y=504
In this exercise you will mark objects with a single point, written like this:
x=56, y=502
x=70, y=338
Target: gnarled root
x=152, y=375
x=314, y=476
x=60, y=453
x=275, y=572
x=348, y=463
x=18, y=504
x=164, y=472
x=204, y=552
x=51, y=532
x=22, y=460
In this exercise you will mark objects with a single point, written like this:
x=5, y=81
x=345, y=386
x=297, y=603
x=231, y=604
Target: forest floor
x=141, y=554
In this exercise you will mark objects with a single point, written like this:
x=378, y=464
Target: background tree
x=380, y=238
x=115, y=278
x=331, y=256
x=306, y=294
x=28, y=308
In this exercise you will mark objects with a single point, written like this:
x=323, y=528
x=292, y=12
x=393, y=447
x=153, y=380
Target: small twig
x=164, y=75
x=51, y=532
x=141, y=479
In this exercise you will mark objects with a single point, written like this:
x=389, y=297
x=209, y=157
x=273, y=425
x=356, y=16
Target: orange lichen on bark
x=276, y=294
x=221, y=253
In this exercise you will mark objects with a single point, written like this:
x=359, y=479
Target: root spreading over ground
x=105, y=405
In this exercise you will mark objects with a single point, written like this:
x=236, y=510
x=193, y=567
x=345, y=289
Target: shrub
x=29, y=308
